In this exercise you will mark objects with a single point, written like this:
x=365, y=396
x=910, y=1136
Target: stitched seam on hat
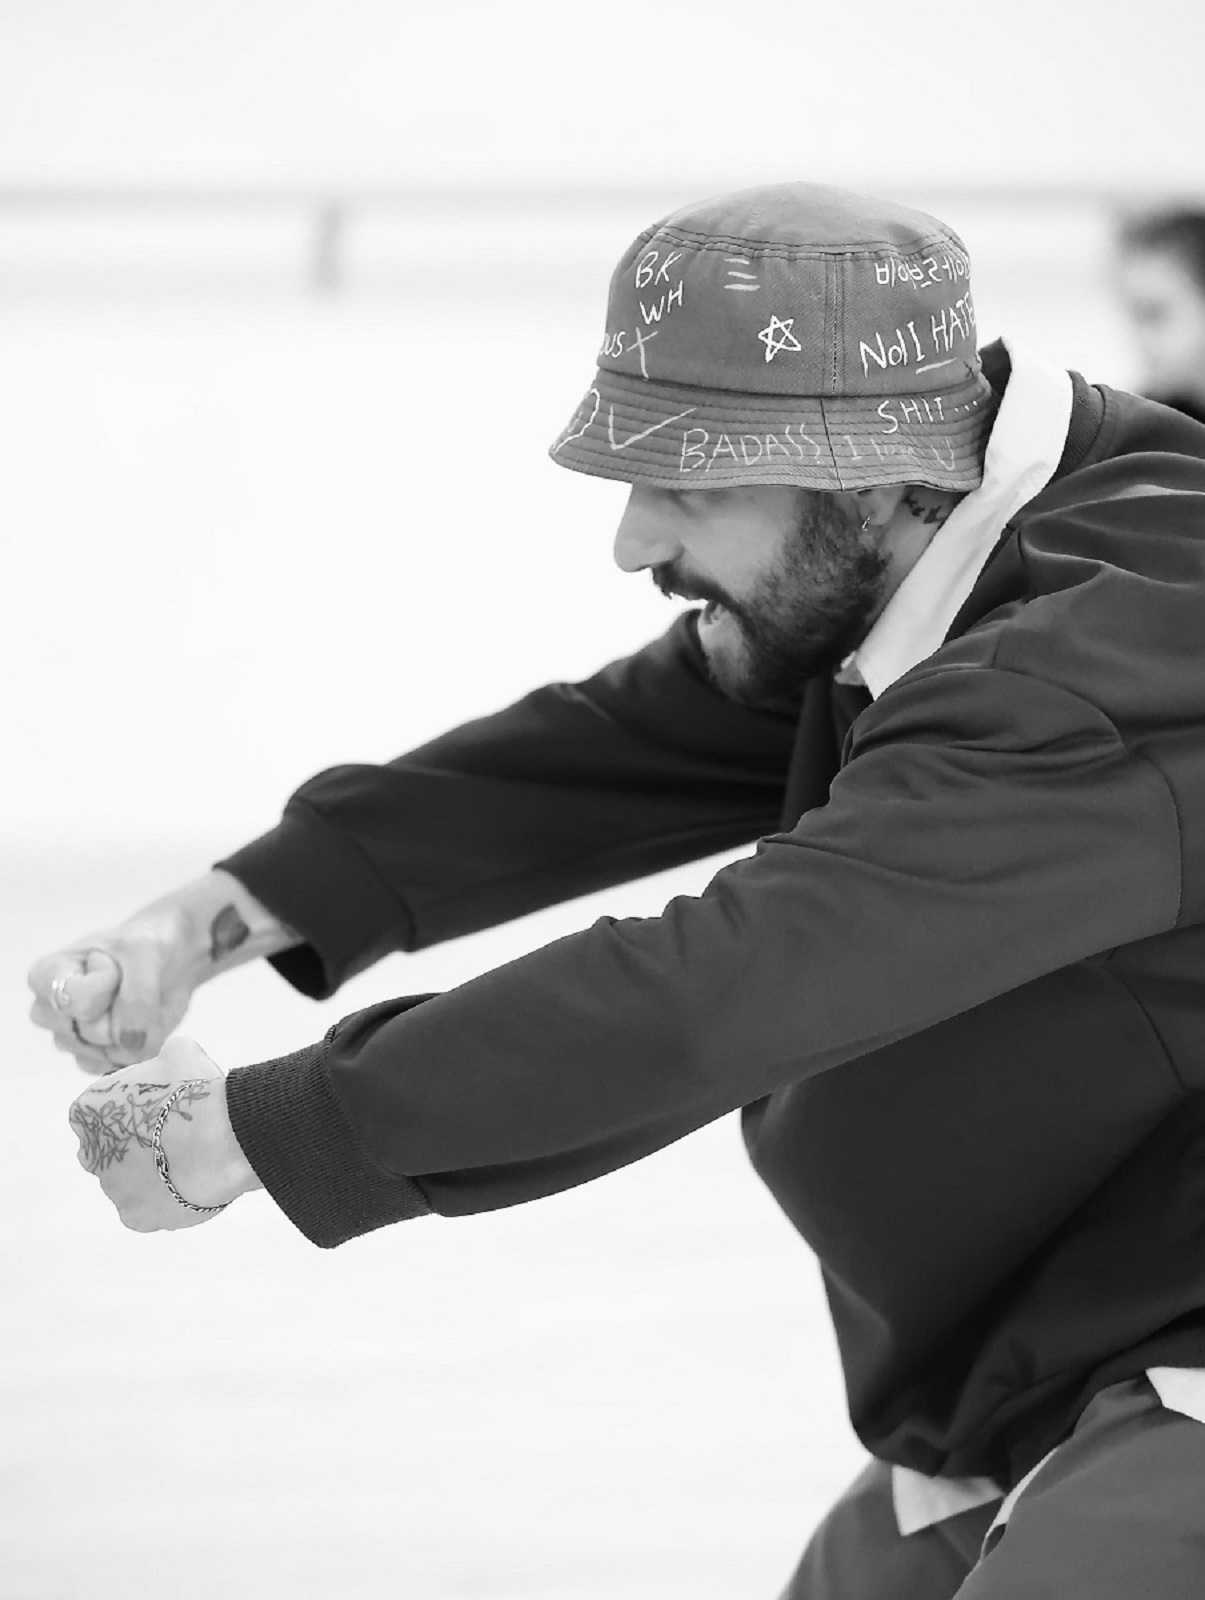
x=658, y=386
x=641, y=241
x=771, y=247
x=722, y=241
x=835, y=331
x=828, y=439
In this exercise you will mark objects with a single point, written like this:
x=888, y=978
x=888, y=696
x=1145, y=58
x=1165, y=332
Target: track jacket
x=958, y=989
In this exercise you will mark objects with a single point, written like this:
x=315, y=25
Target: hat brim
x=676, y=437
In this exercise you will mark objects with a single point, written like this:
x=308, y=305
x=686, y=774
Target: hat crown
x=794, y=289
x=809, y=218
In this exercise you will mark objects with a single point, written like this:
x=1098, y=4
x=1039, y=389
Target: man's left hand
x=114, y=1120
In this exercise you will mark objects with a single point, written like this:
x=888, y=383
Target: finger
x=96, y=1037
x=119, y=1011
x=43, y=1015
x=90, y=1061
x=135, y=1035
x=93, y=992
x=84, y=1047
x=63, y=1026
x=72, y=1044
x=47, y=968
x=44, y=974
x=67, y=1029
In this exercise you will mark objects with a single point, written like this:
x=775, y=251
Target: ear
x=878, y=506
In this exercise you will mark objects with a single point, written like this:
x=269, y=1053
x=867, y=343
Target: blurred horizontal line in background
x=99, y=239
x=493, y=196
x=517, y=237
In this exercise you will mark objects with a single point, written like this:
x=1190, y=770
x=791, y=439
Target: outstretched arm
x=988, y=829
x=577, y=787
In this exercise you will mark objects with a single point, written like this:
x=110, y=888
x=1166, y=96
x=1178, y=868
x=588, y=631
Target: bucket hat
x=788, y=334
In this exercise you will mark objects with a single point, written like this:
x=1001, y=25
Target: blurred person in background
x=950, y=600
x=1161, y=279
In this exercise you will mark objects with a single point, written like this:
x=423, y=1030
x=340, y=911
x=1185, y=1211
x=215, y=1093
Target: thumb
x=93, y=991
x=139, y=1020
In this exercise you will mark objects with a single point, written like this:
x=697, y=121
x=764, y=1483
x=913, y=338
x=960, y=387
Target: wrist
x=169, y=928
x=211, y=924
x=207, y=1162
x=234, y=1171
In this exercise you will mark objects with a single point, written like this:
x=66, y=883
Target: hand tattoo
x=226, y=932
x=108, y=1130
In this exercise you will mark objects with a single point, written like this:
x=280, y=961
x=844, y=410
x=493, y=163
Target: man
x=1160, y=274
x=947, y=673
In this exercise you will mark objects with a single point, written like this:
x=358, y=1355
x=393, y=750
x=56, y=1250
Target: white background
x=252, y=529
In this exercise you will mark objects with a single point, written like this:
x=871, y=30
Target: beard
x=801, y=618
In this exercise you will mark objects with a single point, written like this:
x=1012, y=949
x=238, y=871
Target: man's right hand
x=113, y=998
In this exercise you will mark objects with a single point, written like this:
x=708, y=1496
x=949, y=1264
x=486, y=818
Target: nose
x=645, y=536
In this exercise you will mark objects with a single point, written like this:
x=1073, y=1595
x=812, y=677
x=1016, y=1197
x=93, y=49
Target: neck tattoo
x=932, y=515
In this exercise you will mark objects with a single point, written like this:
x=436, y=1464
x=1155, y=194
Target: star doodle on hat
x=777, y=335
x=886, y=386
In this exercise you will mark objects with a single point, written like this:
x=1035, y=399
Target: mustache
x=674, y=584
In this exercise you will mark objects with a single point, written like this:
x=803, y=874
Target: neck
x=918, y=515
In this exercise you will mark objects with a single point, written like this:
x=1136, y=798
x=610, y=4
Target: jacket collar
x=1030, y=443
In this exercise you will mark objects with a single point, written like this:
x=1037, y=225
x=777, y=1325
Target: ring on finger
x=59, y=998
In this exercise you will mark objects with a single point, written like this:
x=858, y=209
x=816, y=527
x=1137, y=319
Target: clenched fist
x=177, y=1100
x=113, y=998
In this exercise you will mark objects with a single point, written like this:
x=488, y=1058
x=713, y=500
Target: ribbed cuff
x=309, y=877
x=293, y=1132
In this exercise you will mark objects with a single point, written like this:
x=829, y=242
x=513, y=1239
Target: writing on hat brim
x=683, y=438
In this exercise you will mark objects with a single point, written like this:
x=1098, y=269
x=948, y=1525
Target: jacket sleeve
x=574, y=788
x=988, y=828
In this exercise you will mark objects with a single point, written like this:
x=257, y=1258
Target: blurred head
x=1161, y=279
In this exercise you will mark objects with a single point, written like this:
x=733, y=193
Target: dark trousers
x=1116, y=1513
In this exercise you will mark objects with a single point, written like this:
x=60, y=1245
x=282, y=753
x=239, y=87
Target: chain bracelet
x=161, y=1166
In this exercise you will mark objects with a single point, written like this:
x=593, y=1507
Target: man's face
x=790, y=581
x=1166, y=308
